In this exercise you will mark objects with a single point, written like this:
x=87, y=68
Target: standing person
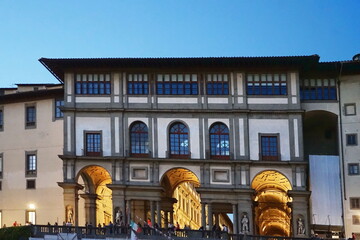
x=134, y=228
x=353, y=236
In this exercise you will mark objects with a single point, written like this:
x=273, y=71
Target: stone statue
x=69, y=214
x=118, y=216
x=245, y=224
x=300, y=227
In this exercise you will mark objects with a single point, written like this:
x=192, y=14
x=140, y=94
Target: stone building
x=262, y=139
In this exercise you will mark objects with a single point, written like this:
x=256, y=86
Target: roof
x=31, y=95
x=58, y=66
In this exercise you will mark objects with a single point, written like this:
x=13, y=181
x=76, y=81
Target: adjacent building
x=269, y=141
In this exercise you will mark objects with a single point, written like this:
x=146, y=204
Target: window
x=353, y=168
x=354, y=203
x=93, y=144
x=0, y=185
x=269, y=148
x=1, y=119
x=351, y=139
x=179, y=141
x=177, y=84
x=30, y=164
x=58, y=104
x=137, y=84
x=30, y=184
x=30, y=116
x=318, y=89
x=217, y=84
x=1, y=165
x=31, y=216
x=266, y=84
x=356, y=219
x=93, y=84
x=350, y=109
x=139, y=139
x=219, y=141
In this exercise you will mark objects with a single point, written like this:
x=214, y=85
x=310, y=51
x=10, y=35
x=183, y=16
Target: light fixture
x=31, y=206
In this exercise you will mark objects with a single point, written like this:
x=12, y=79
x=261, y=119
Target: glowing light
x=31, y=206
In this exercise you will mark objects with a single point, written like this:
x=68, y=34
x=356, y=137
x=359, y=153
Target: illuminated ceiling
x=272, y=213
x=95, y=176
x=177, y=176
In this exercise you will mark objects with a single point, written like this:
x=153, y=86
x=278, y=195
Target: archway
x=272, y=211
x=96, y=199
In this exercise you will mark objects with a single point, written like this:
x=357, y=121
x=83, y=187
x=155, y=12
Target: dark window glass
x=31, y=164
x=219, y=141
x=93, y=84
x=266, y=84
x=269, y=148
x=354, y=203
x=58, y=104
x=93, y=144
x=177, y=84
x=137, y=84
x=179, y=140
x=1, y=165
x=30, y=184
x=1, y=119
x=318, y=89
x=217, y=84
x=353, y=169
x=139, y=139
x=351, y=139
x=30, y=116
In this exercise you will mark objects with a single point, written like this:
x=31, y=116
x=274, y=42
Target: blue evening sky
x=31, y=29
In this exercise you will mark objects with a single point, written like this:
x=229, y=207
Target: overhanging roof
x=58, y=66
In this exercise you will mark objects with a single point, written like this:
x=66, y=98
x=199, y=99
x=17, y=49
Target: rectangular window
x=318, y=89
x=1, y=165
x=58, y=104
x=137, y=84
x=353, y=168
x=356, y=219
x=177, y=84
x=354, y=203
x=269, y=148
x=30, y=184
x=351, y=139
x=350, y=109
x=1, y=119
x=266, y=84
x=30, y=116
x=93, y=84
x=217, y=84
x=0, y=186
x=31, y=216
x=31, y=164
x=93, y=144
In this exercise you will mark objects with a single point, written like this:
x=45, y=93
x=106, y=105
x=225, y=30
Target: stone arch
x=272, y=211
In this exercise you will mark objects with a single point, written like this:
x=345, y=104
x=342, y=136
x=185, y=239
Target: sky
x=33, y=29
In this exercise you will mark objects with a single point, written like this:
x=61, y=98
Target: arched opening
x=95, y=203
x=272, y=212
x=320, y=133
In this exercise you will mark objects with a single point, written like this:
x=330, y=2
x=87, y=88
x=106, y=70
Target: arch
x=219, y=141
x=272, y=211
x=139, y=139
x=179, y=141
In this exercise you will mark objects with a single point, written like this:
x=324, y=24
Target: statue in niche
x=69, y=214
x=300, y=226
x=118, y=216
x=245, y=224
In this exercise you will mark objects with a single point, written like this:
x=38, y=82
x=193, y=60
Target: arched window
x=219, y=141
x=179, y=141
x=139, y=142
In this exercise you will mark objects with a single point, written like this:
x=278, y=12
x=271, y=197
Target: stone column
x=245, y=206
x=203, y=215
x=128, y=211
x=152, y=212
x=71, y=197
x=90, y=207
x=118, y=200
x=300, y=206
x=158, y=213
x=166, y=214
x=210, y=215
x=235, y=219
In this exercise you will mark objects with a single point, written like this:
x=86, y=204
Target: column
x=166, y=214
x=71, y=197
x=210, y=216
x=172, y=215
x=300, y=206
x=128, y=211
x=245, y=207
x=235, y=219
x=203, y=215
x=90, y=207
x=152, y=212
x=158, y=213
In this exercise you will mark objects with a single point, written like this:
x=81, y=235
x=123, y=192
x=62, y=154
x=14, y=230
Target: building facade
x=265, y=140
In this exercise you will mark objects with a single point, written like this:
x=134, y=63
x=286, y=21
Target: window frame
x=222, y=85
x=219, y=156
x=177, y=136
x=264, y=89
x=58, y=114
x=270, y=158
x=93, y=154
x=309, y=85
x=354, y=203
x=346, y=110
x=30, y=121
x=139, y=135
x=29, y=172
x=174, y=85
x=355, y=143
x=1, y=118
x=1, y=165
x=137, y=84
x=30, y=181
x=355, y=219
x=27, y=215
x=93, y=84
x=351, y=171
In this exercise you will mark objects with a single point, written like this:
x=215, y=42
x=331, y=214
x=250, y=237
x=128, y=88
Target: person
x=15, y=224
x=300, y=227
x=225, y=228
x=245, y=224
x=134, y=228
x=353, y=236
